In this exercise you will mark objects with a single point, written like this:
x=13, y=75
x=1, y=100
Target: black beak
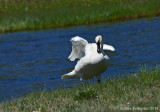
x=98, y=47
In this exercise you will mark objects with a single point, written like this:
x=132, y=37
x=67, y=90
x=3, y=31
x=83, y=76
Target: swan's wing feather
x=108, y=47
x=78, y=48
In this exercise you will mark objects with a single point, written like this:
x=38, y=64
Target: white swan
x=92, y=61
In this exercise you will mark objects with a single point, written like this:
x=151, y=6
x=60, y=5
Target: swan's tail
x=70, y=75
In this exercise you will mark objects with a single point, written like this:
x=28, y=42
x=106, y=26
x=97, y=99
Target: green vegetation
x=17, y=15
x=139, y=91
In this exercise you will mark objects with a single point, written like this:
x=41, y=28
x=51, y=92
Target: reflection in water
x=36, y=60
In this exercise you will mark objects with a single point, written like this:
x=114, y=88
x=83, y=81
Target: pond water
x=36, y=60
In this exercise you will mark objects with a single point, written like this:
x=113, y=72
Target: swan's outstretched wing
x=78, y=48
x=108, y=47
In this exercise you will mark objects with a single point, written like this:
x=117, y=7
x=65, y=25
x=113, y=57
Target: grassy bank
x=139, y=91
x=17, y=15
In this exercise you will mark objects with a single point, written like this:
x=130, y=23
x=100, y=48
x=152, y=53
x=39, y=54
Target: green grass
x=18, y=15
x=137, y=91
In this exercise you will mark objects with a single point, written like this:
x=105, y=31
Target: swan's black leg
x=98, y=79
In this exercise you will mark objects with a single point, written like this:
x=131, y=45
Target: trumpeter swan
x=92, y=59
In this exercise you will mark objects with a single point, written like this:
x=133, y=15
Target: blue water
x=35, y=60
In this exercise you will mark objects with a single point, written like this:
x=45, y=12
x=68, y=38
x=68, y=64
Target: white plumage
x=92, y=61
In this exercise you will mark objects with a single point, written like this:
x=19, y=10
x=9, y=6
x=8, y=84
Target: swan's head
x=99, y=43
